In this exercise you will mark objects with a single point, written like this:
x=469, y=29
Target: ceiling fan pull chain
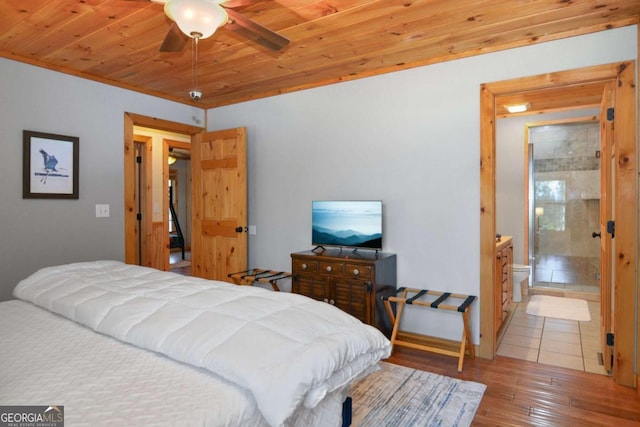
x=194, y=64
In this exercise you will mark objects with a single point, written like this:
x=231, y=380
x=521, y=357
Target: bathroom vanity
x=504, y=280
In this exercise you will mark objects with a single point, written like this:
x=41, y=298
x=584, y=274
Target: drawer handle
x=332, y=302
x=326, y=300
x=329, y=268
x=356, y=271
x=304, y=266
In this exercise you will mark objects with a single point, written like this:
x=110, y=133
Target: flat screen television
x=343, y=223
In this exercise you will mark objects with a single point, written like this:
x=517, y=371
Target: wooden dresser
x=504, y=280
x=352, y=281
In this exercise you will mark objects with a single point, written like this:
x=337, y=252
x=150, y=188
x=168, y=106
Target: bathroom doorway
x=564, y=206
x=616, y=100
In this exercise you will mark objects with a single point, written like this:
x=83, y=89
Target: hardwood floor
x=178, y=265
x=522, y=393
x=185, y=271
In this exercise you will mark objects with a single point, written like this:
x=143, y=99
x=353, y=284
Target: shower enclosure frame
x=529, y=190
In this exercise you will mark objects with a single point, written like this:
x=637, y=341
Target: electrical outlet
x=102, y=211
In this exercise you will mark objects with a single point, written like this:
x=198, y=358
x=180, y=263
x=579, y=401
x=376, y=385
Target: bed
x=126, y=345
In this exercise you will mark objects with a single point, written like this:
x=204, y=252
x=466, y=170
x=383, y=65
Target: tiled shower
x=565, y=212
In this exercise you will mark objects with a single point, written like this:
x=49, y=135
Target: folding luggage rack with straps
x=439, y=303
x=249, y=277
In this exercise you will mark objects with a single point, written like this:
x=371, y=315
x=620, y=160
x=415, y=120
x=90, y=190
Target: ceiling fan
x=199, y=19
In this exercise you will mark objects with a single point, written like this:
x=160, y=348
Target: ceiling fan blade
x=174, y=41
x=254, y=31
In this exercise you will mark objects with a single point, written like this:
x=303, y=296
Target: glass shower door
x=564, y=206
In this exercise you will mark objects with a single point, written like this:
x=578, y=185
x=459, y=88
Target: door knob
x=594, y=234
x=241, y=229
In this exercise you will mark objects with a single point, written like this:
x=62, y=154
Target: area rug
x=398, y=396
x=559, y=307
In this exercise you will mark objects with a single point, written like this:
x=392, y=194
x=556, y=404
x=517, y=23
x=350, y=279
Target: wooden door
x=219, y=203
x=619, y=297
x=626, y=297
x=607, y=167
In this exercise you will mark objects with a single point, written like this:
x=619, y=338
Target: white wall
x=410, y=138
x=37, y=233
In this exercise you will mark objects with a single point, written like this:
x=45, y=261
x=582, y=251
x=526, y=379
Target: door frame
x=130, y=204
x=626, y=295
x=607, y=211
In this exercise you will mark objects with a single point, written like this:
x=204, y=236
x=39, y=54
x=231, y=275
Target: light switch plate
x=102, y=211
x=252, y=229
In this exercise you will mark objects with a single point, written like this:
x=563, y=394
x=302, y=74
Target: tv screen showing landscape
x=356, y=224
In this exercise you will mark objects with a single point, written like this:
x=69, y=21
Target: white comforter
x=285, y=349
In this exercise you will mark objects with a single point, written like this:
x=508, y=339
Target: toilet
x=520, y=272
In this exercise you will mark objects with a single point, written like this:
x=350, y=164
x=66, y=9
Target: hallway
x=557, y=342
x=178, y=265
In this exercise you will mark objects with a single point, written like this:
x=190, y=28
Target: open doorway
x=555, y=319
x=218, y=199
x=178, y=201
x=153, y=247
x=551, y=91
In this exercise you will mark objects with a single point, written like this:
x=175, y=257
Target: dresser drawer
x=303, y=265
x=358, y=271
x=331, y=268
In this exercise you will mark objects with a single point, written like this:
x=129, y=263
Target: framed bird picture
x=50, y=166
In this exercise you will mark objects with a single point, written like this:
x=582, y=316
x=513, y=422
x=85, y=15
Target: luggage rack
x=439, y=303
x=249, y=277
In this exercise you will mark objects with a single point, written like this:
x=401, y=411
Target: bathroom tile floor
x=550, y=341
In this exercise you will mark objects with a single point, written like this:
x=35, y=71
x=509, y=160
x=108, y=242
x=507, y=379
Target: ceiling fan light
x=201, y=17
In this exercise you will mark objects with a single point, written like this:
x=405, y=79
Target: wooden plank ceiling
x=117, y=41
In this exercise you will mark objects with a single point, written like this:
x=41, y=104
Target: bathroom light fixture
x=171, y=160
x=196, y=18
x=518, y=108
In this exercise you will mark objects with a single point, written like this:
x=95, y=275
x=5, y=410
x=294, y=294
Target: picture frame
x=50, y=166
